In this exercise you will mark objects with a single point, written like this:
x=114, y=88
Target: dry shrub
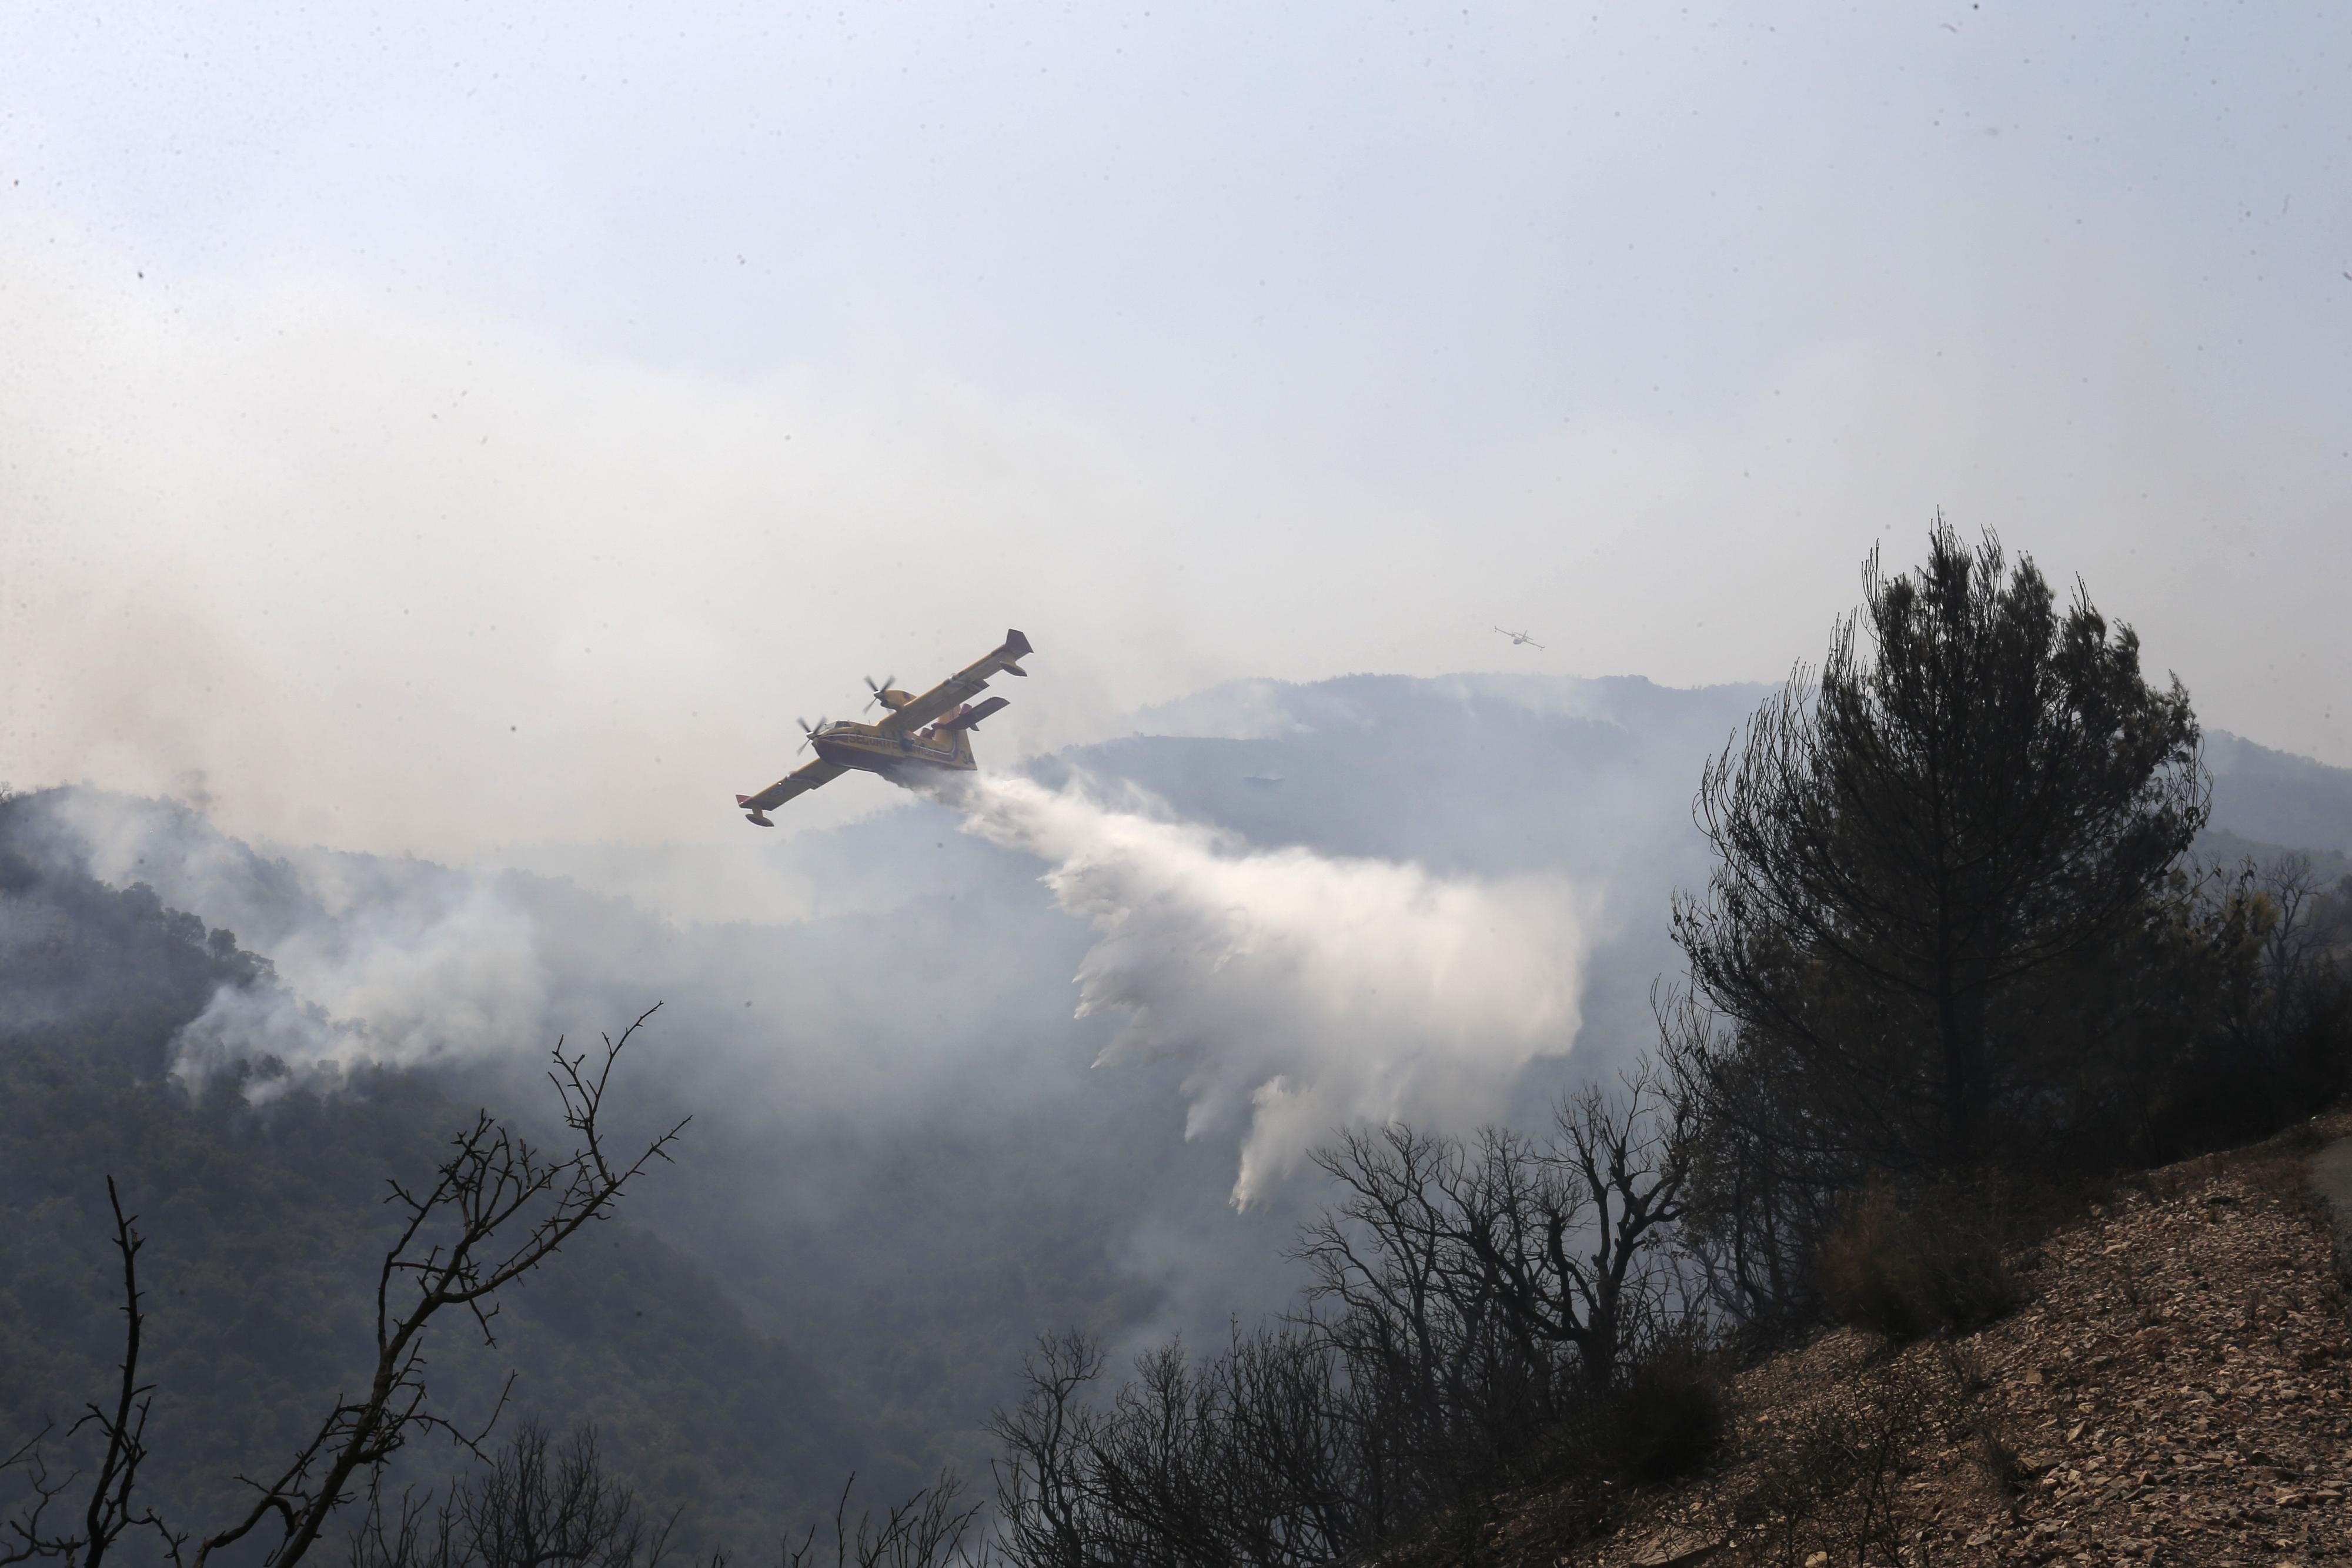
x=1966, y=1365
x=1667, y=1420
x=1832, y=1482
x=2003, y=1472
x=1906, y=1270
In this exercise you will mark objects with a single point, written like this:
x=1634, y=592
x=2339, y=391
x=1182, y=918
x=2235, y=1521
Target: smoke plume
x=1303, y=991
x=387, y=962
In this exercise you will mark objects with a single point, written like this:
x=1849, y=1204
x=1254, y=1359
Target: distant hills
x=263, y=1224
x=902, y=1167
x=2265, y=800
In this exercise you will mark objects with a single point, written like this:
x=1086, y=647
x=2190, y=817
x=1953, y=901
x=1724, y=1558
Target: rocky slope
x=2176, y=1389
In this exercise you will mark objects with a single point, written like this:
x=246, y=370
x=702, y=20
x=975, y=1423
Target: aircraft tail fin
x=1016, y=646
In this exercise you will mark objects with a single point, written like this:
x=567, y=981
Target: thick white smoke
x=1301, y=992
x=1304, y=992
x=448, y=971
x=393, y=962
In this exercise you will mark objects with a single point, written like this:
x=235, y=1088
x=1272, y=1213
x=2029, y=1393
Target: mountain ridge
x=905, y=1191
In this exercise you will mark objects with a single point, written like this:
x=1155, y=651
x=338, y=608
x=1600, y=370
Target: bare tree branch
x=108, y=1511
x=496, y=1210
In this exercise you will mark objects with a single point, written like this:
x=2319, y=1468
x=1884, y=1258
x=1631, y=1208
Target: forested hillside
x=1957, y=978
x=266, y=1222
x=900, y=1169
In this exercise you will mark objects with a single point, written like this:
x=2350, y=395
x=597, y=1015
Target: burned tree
x=1267, y=1453
x=1476, y=1313
x=109, y=1512
x=542, y=1503
x=1514, y=1261
x=493, y=1210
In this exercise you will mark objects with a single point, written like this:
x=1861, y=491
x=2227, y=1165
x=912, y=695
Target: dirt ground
x=2177, y=1390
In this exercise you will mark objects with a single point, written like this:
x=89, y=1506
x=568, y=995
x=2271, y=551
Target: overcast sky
x=440, y=428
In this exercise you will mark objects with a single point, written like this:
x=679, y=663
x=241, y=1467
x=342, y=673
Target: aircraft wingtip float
x=920, y=735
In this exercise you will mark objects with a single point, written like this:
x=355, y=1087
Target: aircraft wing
x=799, y=781
x=960, y=687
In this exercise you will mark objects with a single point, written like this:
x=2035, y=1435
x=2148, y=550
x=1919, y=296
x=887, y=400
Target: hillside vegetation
x=1952, y=963
x=264, y=1225
x=1957, y=960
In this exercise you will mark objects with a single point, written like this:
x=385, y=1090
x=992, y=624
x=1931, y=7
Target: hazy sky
x=444, y=427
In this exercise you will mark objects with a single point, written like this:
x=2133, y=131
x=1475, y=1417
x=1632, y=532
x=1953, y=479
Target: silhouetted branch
x=457, y=1247
x=110, y=1510
x=539, y=1505
x=926, y=1530
x=496, y=1208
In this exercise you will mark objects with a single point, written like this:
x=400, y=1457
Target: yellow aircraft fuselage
x=874, y=749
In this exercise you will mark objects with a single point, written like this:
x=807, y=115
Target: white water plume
x=1305, y=991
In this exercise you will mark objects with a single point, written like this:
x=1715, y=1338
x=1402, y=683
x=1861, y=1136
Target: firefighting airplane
x=922, y=734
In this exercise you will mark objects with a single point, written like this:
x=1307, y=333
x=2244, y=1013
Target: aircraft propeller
x=808, y=732
x=887, y=682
